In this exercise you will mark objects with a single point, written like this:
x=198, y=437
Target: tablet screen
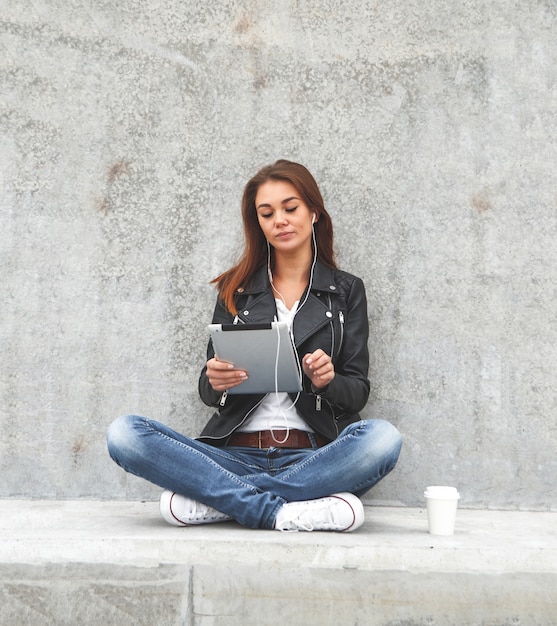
x=265, y=351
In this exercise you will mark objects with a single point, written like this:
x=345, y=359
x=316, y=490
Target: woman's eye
x=266, y=215
x=290, y=209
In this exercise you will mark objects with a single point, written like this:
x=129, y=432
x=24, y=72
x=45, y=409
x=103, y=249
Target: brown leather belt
x=286, y=439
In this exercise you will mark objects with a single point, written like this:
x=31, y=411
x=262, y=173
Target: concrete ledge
x=118, y=562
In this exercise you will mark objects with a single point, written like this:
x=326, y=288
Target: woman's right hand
x=223, y=376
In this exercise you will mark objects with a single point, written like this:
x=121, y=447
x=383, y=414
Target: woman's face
x=284, y=218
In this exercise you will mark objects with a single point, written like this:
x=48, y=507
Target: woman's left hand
x=319, y=368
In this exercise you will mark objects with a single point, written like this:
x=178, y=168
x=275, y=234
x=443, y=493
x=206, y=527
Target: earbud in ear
x=313, y=219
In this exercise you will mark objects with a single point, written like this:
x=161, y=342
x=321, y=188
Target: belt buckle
x=259, y=439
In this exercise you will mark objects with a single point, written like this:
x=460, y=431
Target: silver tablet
x=265, y=351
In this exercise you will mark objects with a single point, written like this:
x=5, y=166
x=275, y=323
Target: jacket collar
x=324, y=279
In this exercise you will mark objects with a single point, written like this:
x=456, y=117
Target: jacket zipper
x=224, y=396
x=318, y=401
x=341, y=320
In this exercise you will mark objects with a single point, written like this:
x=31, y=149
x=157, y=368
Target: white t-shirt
x=276, y=411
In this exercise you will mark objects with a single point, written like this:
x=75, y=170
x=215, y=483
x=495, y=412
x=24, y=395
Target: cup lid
x=441, y=491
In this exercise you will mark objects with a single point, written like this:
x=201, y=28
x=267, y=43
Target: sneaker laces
x=199, y=512
x=322, y=511
x=186, y=511
x=294, y=524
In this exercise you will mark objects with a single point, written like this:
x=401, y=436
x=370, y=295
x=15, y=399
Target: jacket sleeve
x=348, y=392
x=207, y=394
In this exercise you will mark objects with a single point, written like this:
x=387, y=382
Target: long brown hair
x=254, y=255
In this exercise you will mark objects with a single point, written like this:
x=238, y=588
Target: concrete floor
x=117, y=562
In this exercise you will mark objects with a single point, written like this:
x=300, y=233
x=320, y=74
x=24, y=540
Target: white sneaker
x=181, y=511
x=342, y=512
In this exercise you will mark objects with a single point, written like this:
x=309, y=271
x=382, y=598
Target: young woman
x=278, y=461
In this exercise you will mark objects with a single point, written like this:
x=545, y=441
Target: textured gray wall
x=128, y=130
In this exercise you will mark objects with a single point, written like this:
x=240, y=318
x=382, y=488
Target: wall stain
x=481, y=202
x=242, y=25
x=102, y=206
x=79, y=446
x=113, y=173
x=117, y=170
x=260, y=82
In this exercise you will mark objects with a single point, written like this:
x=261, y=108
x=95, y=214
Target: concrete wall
x=128, y=130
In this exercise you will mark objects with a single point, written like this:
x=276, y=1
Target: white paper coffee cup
x=441, y=509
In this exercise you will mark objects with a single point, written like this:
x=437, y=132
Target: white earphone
x=313, y=219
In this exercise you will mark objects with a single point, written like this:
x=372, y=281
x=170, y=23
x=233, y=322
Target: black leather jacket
x=334, y=318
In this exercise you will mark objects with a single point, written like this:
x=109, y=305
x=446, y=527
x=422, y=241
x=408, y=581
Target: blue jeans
x=251, y=484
